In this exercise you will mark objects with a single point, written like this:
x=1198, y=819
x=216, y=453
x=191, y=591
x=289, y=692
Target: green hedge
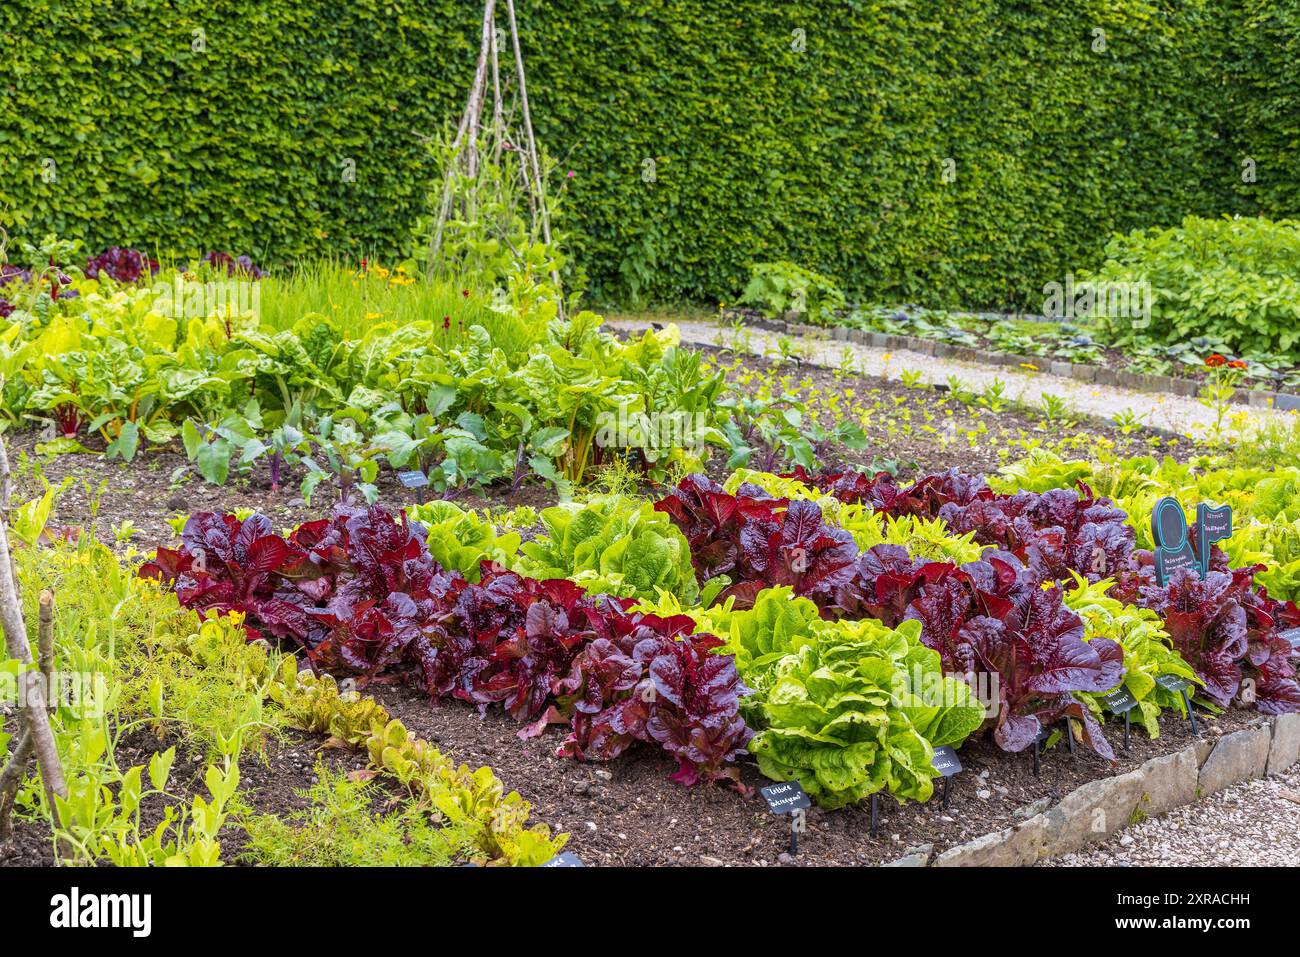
x=832, y=157
x=1268, y=101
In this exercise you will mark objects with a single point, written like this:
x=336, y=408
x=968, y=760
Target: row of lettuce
x=326, y=376
x=141, y=676
x=838, y=626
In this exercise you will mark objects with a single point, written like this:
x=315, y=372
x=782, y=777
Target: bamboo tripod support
x=471, y=133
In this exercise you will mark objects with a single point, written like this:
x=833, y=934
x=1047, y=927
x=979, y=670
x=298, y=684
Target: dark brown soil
x=29, y=846
x=627, y=812
x=160, y=484
x=910, y=426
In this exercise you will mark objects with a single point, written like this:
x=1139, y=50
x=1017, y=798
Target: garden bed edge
x=1099, y=809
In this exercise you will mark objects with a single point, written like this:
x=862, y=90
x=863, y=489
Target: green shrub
x=1234, y=280
x=778, y=288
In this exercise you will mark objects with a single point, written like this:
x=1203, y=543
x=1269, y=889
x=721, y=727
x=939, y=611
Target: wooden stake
x=33, y=713
x=45, y=644
x=469, y=123
x=12, y=776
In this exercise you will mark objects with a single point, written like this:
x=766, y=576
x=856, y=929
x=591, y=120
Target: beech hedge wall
x=947, y=151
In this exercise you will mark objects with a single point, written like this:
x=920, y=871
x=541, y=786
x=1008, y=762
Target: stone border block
x=1284, y=750
x=1099, y=809
x=1240, y=756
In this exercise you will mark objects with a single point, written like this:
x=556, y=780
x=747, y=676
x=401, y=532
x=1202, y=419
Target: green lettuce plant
x=612, y=545
x=459, y=540
x=846, y=708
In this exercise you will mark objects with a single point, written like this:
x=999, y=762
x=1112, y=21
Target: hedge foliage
x=826, y=146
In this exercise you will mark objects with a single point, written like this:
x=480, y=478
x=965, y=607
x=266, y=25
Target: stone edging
x=1255, y=398
x=1099, y=809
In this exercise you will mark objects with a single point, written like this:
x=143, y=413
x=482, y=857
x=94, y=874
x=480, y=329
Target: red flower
x=1215, y=360
x=446, y=323
x=1237, y=364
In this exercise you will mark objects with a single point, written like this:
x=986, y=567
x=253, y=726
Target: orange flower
x=1237, y=364
x=1215, y=360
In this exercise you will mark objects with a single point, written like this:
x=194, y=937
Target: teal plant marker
x=1169, y=532
x=1212, y=525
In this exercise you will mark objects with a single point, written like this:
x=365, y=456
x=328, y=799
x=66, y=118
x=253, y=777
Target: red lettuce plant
x=362, y=595
x=228, y=565
x=758, y=540
x=879, y=491
x=711, y=520
x=994, y=617
x=121, y=265
x=647, y=678
x=1223, y=625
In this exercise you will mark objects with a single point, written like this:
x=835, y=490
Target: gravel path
x=1253, y=823
x=1174, y=413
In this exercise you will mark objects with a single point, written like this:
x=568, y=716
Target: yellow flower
x=888, y=356
x=1029, y=365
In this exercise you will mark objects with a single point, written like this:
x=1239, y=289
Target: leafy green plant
x=1148, y=650
x=845, y=708
x=768, y=432
x=341, y=828
x=611, y=545
x=783, y=287
x=459, y=540
x=993, y=396
x=96, y=822
x=351, y=460
x=1233, y=279
x=1055, y=410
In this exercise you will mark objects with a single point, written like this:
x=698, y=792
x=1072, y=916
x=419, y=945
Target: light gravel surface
x=1252, y=823
x=1176, y=413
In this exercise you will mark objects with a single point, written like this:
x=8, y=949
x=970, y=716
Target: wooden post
x=35, y=734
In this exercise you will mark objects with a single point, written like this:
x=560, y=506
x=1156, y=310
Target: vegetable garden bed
x=478, y=591
x=1098, y=365
x=626, y=811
